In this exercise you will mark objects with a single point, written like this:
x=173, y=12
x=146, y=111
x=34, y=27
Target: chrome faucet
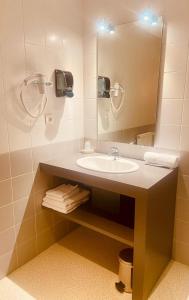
x=115, y=152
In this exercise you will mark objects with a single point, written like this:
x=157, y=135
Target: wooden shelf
x=114, y=230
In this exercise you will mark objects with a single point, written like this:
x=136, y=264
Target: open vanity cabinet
x=143, y=219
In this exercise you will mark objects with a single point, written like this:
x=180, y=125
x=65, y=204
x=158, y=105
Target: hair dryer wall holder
x=38, y=80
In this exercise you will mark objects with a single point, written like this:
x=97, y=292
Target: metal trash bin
x=125, y=271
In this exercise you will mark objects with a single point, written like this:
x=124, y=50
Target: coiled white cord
x=37, y=79
x=114, y=92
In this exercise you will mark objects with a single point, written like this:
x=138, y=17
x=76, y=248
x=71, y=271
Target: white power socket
x=49, y=119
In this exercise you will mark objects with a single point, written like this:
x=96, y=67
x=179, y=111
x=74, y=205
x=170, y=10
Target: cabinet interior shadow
x=112, y=206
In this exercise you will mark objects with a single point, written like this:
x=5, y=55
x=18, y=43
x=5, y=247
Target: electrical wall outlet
x=49, y=119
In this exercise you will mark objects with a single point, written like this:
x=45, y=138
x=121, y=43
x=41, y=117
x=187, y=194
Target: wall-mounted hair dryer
x=64, y=83
x=103, y=87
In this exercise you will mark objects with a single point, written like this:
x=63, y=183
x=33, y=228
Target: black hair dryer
x=103, y=87
x=64, y=83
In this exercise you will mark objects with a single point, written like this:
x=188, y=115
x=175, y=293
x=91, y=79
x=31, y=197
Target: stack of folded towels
x=65, y=198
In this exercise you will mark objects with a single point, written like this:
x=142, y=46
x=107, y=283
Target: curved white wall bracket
x=39, y=80
x=117, y=91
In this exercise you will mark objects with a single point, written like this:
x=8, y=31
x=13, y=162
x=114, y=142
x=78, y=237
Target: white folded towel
x=65, y=206
x=64, y=198
x=161, y=160
x=63, y=209
x=72, y=200
x=63, y=191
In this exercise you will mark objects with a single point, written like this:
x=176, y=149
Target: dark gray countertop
x=141, y=180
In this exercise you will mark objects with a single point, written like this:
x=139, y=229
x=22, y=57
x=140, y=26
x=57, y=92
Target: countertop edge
x=97, y=180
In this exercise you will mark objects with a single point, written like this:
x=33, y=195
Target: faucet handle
x=115, y=149
x=115, y=152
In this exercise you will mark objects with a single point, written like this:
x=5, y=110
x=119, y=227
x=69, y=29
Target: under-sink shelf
x=144, y=200
x=109, y=228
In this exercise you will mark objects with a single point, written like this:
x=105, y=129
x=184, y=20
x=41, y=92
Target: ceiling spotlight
x=105, y=27
x=148, y=17
x=145, y=17
x=111, y=29
x=102, y=26
x=154, y=21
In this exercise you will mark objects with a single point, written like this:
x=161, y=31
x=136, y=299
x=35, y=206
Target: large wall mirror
x=128, y=77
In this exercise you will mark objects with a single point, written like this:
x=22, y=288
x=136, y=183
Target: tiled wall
x=35, y=36
x=173, y=117
x=39, y=36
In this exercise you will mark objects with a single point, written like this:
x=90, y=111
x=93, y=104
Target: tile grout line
x=184, y=92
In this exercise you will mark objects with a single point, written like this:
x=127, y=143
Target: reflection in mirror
x=128, y=76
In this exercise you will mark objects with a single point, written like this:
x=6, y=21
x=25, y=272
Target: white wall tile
x=39, y=133
x=90, y=44
x=91, y=128
x=4, y=146
x=90, y=65
x=36, y=61
x=5, y=192
x=173, y=85
x=184, y=138
x=181, y=228
x=171, y=112
x=11, y=21
x=7, y=238
x=182, y=209
x=8, y=263
x=183, y=186
x=186, y=93
x=6, y=217
x=35, y=31
x=90, y=110
x=180, y=252
x=169, y=137
x=19, y=138
x=54, y=33
x=185, y=116
x=22, y=186
x=78, y=128
x=176, y=57
x=66, y=130
x=90, y=87
x=176, y=24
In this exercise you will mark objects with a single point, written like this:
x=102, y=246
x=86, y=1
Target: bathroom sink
x=105, y=163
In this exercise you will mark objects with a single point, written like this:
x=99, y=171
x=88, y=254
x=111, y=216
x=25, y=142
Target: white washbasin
x=105, y=163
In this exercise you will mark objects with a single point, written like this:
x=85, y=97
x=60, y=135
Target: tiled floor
x=174, y=283
x=83, y=266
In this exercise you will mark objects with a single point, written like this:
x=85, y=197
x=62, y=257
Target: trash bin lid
x=127, y=255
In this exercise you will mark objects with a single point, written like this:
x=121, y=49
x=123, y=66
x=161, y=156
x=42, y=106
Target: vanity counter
x=130, y=184
x=153, y=190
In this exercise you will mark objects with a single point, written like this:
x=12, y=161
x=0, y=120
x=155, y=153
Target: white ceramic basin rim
x=105, y=163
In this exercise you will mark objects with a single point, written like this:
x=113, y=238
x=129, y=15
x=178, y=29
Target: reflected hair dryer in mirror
x=64, y=83
x=132, y=60
x=103, y=87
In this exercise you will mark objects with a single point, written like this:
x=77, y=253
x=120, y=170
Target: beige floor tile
x=83, y=266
